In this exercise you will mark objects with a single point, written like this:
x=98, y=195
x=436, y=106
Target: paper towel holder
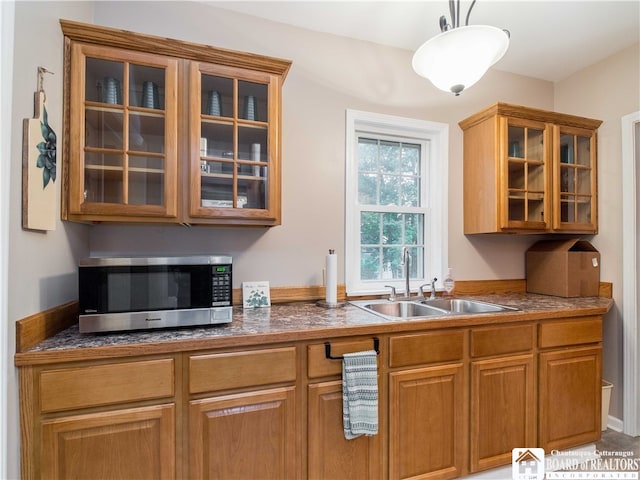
x=325, y=304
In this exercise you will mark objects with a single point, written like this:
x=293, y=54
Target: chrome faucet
x=433, y=289
x=392, y=295
x=406, y=261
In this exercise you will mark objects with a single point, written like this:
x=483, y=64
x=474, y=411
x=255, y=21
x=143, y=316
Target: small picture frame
x=255, y=294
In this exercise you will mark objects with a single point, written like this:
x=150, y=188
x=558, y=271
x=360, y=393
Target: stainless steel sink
x=461, y=305
x=399, y=309
x=439, y=307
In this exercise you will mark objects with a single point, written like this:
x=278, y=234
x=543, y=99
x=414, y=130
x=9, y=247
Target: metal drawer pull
x=327, y=349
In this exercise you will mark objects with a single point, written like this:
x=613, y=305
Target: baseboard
x=615, y=424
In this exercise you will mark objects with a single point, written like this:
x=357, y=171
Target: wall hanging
x=39, y=165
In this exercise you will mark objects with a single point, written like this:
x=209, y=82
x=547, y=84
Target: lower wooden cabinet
x=503, y=403
x=451, y=401
x=426, y=423
x=243, y=436
x=570, y=382
x=570, y=397
x=330, y=455
x=131, y=443
x=503, y=409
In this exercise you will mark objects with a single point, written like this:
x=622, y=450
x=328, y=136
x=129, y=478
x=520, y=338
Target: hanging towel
x=360, y=394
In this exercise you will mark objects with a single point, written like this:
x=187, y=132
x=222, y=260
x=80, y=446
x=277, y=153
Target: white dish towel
x=360, y=394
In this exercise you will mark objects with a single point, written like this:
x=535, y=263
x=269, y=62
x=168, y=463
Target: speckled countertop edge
x=296, y=322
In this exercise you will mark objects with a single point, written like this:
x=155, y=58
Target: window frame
x=433, y=194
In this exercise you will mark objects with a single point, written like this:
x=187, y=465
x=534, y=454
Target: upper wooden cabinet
x=529, y=171
x=186, y=134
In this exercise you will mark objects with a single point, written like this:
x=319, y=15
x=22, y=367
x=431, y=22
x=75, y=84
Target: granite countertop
x=295, y=322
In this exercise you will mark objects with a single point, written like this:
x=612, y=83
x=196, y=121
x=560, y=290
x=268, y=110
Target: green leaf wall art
x=47, y=148
x=39, y=203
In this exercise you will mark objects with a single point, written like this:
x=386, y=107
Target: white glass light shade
x=458, y=58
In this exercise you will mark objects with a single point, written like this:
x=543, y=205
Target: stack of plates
x=150, y=97
x=111, y=91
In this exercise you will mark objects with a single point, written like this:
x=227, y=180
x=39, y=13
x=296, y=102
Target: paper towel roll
x=331, y=294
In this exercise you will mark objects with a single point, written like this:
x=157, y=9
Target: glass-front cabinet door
x=575, y=179
x=123, y=129
x=233, y=141
x=526, y=160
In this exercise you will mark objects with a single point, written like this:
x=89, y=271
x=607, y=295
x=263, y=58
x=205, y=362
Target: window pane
x=369, y=228
x=381, y=255
x=390, y=157
x=410, y=159
x=367, y=155
x=392, y=228
x=367, y=189
x=413, y=229
x=388, y=173
x=392, y=256
x=389, y=190
x=369, y=263
x=410, y=191
x=415, y=265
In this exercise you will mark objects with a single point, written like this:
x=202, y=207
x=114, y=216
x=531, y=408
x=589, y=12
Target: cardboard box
x=564, y=268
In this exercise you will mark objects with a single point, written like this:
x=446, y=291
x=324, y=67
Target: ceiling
x=550, y=40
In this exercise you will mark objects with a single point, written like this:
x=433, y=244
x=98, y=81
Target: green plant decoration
x=47, y=148
x=257, y=298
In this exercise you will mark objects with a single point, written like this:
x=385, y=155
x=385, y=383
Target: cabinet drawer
x=321, y=366
x=95, y=385
x=570, y=332
x=222, y=371
x=502, y=340
x=426, y=348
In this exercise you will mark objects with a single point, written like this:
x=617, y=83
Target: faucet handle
x=392, y=295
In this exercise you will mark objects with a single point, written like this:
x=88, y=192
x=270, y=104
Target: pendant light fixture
x=458, y=57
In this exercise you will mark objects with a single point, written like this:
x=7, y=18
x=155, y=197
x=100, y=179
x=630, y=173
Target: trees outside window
x=396, y=198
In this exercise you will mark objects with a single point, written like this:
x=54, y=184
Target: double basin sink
x=415, y=308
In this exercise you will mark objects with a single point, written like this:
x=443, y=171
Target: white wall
x=329, y=74
x=611, y=87
x=7, y=14
x=42, y=266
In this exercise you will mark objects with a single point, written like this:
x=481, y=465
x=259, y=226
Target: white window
x=396, y=198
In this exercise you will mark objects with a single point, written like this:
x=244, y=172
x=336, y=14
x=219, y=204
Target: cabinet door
x=330, y=454
x=427, y=423
x=503, y=409
x=246, y=435
x=570, y=397
x=525, y=160
x=122, y=134
x=134, y=443
x=575, y=180
x=234, y=124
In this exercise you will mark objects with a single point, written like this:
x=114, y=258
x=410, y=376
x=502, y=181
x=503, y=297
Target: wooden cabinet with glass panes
x=529, y=171
x=187, y=134
x=231, y=130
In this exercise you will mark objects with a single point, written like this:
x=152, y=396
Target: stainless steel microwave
x=137, y=293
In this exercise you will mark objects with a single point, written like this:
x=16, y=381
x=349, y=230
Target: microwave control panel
x=221, y=285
